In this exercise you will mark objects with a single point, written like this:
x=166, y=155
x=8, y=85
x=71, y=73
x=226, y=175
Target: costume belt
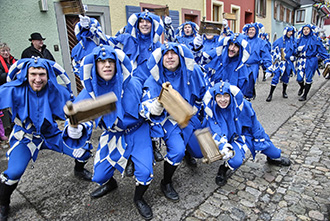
x=133, y=128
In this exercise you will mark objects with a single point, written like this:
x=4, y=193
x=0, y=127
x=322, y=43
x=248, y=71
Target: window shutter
x=131, y=10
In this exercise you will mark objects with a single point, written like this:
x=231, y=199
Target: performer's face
x=187, y=29
x=37, y=78
x=171, y=60
x=145, y=26
x=251, y=32
x=306, y=30
x=233, y=50
x=37, y=44
x=106, y=68
x=289, y=34
x=223, y=100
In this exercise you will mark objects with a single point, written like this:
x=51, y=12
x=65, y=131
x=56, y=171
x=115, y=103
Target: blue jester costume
x=282, y=68
x=219, y=66
x=188, y=80
x=125, y=133
x=179, y=35
x=88, y=38
x=237, y=125
x=259, y=55
x=34, y=114
x=309, y=48
x=137, y=46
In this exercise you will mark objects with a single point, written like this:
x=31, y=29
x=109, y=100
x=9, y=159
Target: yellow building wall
x=267, y=21
x=118, y=9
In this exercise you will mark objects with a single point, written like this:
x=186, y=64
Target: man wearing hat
x=37, y=48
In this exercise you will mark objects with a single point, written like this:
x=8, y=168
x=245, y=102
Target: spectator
x=37, y=48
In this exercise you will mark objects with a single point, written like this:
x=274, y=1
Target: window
x=277, y=11
x=216, y=10
x=288, y=15
x=282, y=10
x=300, y=16
x=261, y=8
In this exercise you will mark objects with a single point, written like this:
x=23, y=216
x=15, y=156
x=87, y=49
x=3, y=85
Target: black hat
x=36, y=36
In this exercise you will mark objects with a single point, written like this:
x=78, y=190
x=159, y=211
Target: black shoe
x=156, y=144
x=4, y=211
x=104, y=189
x=169, y=192
x=222, y=177
x=190, y=160
x=144, y=209
x=284, y=95
x=302, y=98
x=83, y=175
x=282, y=161
x=129, y=171
x=269, y=98
x=221, y=180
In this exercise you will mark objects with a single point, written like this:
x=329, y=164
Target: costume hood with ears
x=287, y=29
x=132, y=26
x=25, y=103
x=187, y=79
x=312, y=30
x=244, y=51
x=180, y=30
x=258, y=26
x=96, y=86
x=19, y=70
x=90, y=76
x=226, y=118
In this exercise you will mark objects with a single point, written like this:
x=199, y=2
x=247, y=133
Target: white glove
x=198, y=41
x=77, y=153
x=156, y=108
x=267, y=75
x=84, y=21
x=301, y=47
x=168, y=20
x=291, y=58
x=227, y=151
x=75, y=133
x=225, y=23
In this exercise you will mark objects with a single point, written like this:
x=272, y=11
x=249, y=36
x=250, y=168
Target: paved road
x=256, y=191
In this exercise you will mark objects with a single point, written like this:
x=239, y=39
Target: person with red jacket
x=6, y=60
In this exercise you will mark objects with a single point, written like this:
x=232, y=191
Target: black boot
x=80, y=172
x=284, y=90
x=105, y=188
x=166, y=183
x=221, y=178
x=264, y=77
x=307, y=88
x=282, y=161
x=142, y=206
x=301, y=89
x=270, y=96
x=156, y=145
x=129, y=171
x=190, y=160
x=5, y=193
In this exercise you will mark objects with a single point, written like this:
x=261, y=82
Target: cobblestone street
x=258, y=191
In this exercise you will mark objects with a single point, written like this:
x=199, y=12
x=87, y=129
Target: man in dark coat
x=37, y=48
